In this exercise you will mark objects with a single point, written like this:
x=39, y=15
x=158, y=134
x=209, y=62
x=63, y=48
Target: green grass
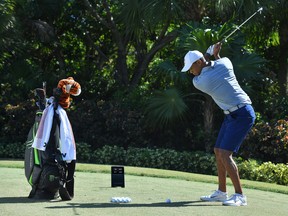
x=93, y=192
x=138, y=171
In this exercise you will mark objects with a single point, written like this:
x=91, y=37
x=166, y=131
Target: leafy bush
x=84, y=153
x=248, y=169
x=139, y=157
x=195, y=162
x=198, y=162
x=265, y=172
x=268, y=141
x=16, y=121
x=109, y=155
x=110, y=123
x=12, y=150
x=273, y=173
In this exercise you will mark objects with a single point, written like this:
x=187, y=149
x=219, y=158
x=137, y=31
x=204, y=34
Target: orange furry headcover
x=68, y=86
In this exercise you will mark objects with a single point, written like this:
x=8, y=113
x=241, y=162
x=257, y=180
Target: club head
x=260, y=10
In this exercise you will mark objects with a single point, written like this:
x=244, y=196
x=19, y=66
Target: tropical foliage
x=127, y=55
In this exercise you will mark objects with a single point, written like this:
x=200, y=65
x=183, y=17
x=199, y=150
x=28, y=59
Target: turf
x=138, y=171
x=93, y=193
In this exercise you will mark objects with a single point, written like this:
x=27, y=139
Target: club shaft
x=44, y=87
x=238, y=27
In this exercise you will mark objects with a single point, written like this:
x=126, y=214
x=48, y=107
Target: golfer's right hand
x=216, y=50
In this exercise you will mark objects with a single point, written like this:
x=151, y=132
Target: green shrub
x=141, y=157
x=198, y=162
x=248, y=169
x=12, y=150
x=203, y=163
x=268, y=141
x=16, y=121
x=109, y=155
x=84, y=153
x=195, y=162
x=273, y=173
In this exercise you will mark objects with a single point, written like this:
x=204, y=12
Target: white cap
x=190, y=58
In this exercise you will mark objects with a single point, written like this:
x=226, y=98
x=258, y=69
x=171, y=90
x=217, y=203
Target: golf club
x=238, y=27
x=44, y=84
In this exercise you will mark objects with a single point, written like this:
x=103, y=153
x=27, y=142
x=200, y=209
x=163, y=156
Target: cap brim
x=186, y=67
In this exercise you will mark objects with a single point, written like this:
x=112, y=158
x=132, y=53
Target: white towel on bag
x=43, y=132
x=67, y=142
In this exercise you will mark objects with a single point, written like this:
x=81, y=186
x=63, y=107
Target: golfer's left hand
x=210, y=50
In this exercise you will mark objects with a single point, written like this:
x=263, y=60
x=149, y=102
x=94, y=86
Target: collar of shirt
x=210, y=65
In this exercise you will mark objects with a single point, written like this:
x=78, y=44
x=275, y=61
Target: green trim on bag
x=36, y=157
x=35, y=128
x=39, y=113
x=30, y=180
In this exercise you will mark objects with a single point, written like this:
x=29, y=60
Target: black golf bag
x=48, y=174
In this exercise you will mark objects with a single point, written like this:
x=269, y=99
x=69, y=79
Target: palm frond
x=141, y=16
x=247, y=66
x=165, y=108
x=131, y=15
x=167, y=70
x=198, y=38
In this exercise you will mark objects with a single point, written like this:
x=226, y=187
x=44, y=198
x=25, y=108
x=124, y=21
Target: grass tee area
x=148, y=189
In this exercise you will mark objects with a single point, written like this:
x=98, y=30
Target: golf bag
x=46, y=171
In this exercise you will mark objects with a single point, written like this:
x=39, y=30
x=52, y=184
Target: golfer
x=217, y=79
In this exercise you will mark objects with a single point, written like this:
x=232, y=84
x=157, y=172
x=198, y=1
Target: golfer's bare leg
x=221, y=171
x=231, y=169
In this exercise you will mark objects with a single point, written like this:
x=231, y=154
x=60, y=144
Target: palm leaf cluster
x=165, y=109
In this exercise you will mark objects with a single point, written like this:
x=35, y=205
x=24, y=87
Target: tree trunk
x=283, y=59
x=208, y=113
x=147, y=57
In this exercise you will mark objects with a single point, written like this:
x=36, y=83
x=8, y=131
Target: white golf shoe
x=236, y=200
x=217, y=196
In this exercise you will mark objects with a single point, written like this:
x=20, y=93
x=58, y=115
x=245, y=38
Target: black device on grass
x=117, y=176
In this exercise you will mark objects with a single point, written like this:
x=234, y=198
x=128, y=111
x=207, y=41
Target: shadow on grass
x=134, y=205
x=13, y=200
x=7, y=200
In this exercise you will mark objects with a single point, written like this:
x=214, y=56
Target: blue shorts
x=234, y=129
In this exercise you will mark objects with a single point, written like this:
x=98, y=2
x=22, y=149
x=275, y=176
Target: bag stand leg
x=66, y=191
